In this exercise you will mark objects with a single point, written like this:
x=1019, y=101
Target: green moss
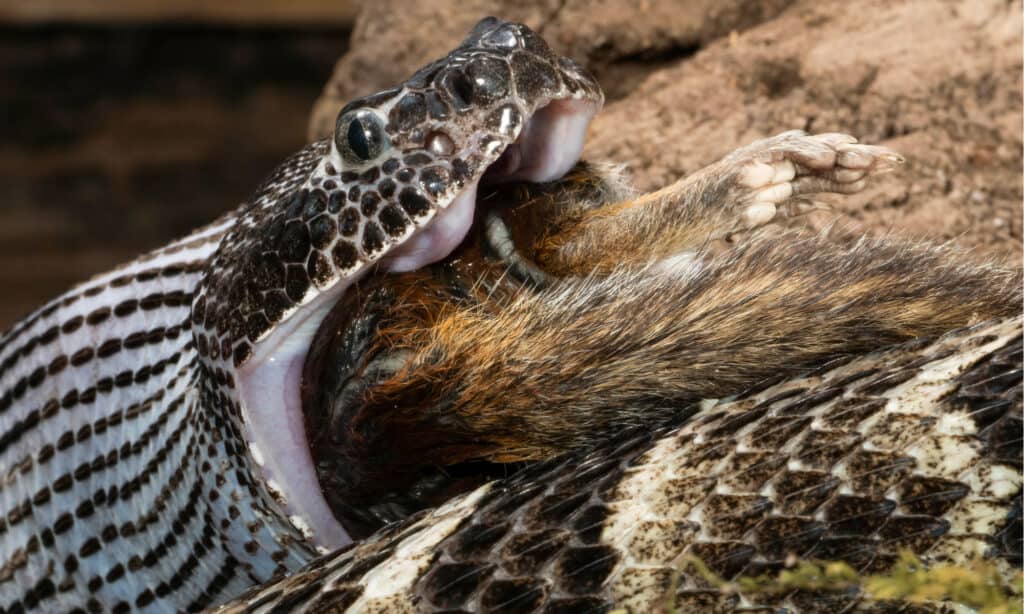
x=979, y=585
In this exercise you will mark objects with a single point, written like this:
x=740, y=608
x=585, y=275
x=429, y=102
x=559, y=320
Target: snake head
x=396, y=185
x=501, y=106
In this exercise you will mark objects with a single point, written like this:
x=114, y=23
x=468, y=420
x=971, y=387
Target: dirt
x=938, y=81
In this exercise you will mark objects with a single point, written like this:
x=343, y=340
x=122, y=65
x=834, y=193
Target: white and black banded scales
x=125, y=479
x=917, y=447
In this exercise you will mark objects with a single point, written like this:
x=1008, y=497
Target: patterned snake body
x=913, y=448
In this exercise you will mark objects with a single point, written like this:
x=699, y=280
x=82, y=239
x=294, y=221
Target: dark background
x=120, y=134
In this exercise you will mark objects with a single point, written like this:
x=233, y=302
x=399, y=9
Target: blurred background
x=129, y=122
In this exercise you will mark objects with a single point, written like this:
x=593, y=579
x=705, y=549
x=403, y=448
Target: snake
x=154, y=410
x=154, y=455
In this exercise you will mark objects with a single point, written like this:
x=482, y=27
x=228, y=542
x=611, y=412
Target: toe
x=835, y=139
x=867, y=157
x=848, y=175
x=775, y=193
x=784, y=171
x=812, y=153
x=758, y=214
x=757, y=174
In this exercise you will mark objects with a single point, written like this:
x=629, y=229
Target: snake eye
x=360, y=136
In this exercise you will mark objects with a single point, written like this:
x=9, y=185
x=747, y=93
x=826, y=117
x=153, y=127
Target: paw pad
x=794, y=164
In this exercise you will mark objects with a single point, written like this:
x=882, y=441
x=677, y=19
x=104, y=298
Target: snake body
x=153, y=455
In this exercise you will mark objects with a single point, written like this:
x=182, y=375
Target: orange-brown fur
x=515, y=373
x=601, y=239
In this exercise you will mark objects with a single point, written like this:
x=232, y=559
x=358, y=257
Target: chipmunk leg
x=551, y=370
x=769, y=179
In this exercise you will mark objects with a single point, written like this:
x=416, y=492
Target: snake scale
x=153, y=454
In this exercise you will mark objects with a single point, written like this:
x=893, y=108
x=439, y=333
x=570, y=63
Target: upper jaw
x=541, y=147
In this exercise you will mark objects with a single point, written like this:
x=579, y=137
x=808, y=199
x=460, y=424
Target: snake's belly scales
x=102, y=460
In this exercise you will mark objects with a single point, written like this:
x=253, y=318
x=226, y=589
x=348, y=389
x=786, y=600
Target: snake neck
x=121, y=478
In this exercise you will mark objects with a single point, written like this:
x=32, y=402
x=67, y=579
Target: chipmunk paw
x=778, y=173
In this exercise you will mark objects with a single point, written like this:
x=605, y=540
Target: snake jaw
x=270, y=381
x=543, y=149
x=275, y=433
x=438, y=238
x=395, y=188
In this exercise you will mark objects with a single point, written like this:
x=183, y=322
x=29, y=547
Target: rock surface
x=938, y=81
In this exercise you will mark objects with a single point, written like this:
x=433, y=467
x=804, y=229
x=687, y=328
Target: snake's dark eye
x=360, y=136
x=358, y=142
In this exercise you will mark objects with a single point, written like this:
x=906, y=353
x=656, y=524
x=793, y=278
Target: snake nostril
x=459, y=87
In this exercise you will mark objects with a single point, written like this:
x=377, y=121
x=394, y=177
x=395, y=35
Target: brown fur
x=601, y=239
x=504, y=372
x=547, y=370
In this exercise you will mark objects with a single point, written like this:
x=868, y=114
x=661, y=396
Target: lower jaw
x=349, y=358
x=438, y=239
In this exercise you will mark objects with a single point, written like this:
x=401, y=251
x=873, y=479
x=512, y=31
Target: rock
x=939, y=82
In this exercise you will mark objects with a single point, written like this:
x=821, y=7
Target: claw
x=893, y=158
x=867, y=156
x=854, y=158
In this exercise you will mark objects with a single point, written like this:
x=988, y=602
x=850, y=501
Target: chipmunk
x=578, y=308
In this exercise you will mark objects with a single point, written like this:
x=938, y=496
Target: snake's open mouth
x=334, y=380
x=548, y=145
